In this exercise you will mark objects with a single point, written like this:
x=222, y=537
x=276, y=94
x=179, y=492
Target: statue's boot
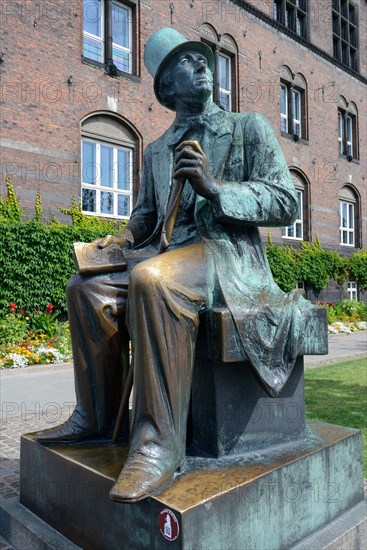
x=96, y=307
x=166, y=294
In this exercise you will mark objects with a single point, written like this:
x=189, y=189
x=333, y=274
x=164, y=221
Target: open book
x=90, y=259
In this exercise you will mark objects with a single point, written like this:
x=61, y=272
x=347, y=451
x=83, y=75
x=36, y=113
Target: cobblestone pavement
x=10, y=431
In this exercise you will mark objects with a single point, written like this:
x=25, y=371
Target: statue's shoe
x=140, y=479
x=67, y=433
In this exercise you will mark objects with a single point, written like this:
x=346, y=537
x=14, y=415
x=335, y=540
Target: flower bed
x=346, y=317
x=347, y=328
x=37, y=338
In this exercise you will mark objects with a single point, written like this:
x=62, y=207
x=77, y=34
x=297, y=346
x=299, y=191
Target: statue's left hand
x=191, y=164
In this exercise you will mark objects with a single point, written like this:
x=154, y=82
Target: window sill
x=290, y=137
x=292, y=239
x=105, y=216
x=353, y=160
x=347, y=245
x=101, y=66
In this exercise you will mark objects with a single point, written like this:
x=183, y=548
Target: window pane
x=106, y=166
x=88, y=200
x=121, y=59
x=344, y=237
x=340, y=125
x=343, y=214
x=351, y=216
x=92, y=12
x=300, y=204
x=351, y=237
x=283, y=100
x=224, y=72
x=89, y=162
x=93, y=49
x=106, y=203
x=121, y=25
x=298, y=230
x=124, y=169
x=297, y=105
x=349, y=129
x=225, y=100
x=296, y=128
x=123, y=205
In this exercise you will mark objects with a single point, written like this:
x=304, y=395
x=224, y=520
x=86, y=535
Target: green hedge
x=315, y=266
x=36, y=258
x=36, y=262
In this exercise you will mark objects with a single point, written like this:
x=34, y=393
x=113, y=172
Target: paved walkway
x=37, y=397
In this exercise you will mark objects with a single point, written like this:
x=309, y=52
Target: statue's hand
x=122, y=240
x=191, y=164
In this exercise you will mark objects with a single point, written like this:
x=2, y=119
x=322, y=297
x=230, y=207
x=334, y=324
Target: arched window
x=348, y=216
x=225, y=77
x=293, y=104
x=347, y=129
x=109, y=156
x=299, y=230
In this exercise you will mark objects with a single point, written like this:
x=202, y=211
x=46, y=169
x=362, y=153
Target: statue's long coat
x=255, y=190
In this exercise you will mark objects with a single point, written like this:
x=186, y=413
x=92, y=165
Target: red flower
x=21, y=311
x=322, y=303
x=331, y=304
x=13, y=306
x=50, y=308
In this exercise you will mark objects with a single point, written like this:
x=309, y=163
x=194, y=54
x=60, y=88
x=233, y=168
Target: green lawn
x=338, y=394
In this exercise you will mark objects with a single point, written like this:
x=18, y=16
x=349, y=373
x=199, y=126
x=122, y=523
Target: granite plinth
x=261, y=500
x=231, y=413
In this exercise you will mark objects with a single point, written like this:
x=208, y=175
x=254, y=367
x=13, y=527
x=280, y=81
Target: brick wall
x=41, y=114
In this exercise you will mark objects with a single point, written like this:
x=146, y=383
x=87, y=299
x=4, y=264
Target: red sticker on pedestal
x=168, y=525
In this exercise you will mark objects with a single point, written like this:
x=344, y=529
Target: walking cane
x=167, y=230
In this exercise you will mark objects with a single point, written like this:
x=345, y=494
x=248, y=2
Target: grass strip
x=337, y=394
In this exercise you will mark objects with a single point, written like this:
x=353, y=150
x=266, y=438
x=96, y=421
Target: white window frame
x=287, y=231
x=127, y=50
x=349, y=229
x=284, y=116
x=297, y=122
x=101, y=38
x=352, y=290
x=114, y=189
x=227, y=89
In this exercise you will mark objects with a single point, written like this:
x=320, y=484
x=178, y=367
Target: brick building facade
x=75, y=95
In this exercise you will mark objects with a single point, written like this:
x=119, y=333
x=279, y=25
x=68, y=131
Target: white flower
x=19, y=362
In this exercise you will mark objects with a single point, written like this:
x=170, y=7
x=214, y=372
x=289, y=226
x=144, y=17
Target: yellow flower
x=27, y=318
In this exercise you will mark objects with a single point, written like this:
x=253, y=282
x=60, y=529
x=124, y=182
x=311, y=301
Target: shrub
x=358, y=267
x=284, y=263
x=36, y=258
x=13, y=326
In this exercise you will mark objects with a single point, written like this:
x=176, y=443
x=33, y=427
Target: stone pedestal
x=231, y=413
x=262, y=500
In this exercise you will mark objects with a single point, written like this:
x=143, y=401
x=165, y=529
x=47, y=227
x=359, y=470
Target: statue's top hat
x=160, y=48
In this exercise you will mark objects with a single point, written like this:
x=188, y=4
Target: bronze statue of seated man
x=231, y=177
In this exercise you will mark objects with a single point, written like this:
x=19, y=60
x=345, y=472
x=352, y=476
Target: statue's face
x=192, y=76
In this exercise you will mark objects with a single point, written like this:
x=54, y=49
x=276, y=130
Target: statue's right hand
x=111, y=239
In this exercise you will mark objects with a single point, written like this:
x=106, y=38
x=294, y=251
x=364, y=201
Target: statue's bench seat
x=230, y=411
